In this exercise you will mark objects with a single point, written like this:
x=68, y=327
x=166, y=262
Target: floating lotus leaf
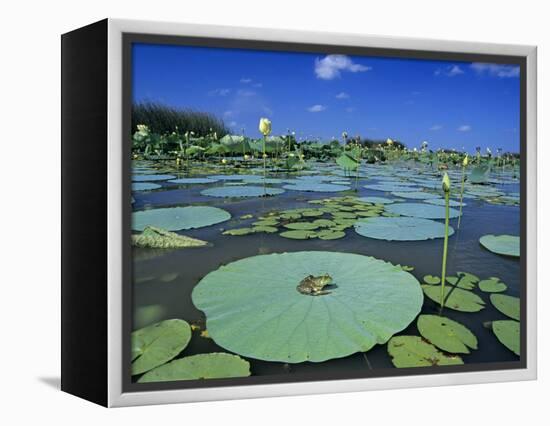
x=233, y=177
x=431, y=279
x=479, y=174
x=253, y=308
x=153, y=237
x=265, y=228
x=312, y=213
x=316, y=187
x=291, y=216
x=177, y=218
x=507, y=245
x=492, y=285
x=401, y=228
x=441, y=202
x=151, y=178
x=145, y=186
x=324, y=223
x=377, y=200
x=241, y=191
x=508, y=333
x=508, y=305
x=416, y=195
x=298, y=234
x=421, y=210
x=198, y=367
x=413, y=351
x=309, y=226
x=458, y=299
x=446, y=334
x=391, y=188
x=467, y=281
x=347, y=162
x=266, y=222
x=158, y=343
x=261, y=180
x=190, y=181
x=239, y=231
x=331, y=234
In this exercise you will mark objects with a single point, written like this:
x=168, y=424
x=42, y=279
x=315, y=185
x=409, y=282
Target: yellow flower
x=446, y=183
x=465, y=161
x=224, y=161
x=246, y=156
x=265, y=126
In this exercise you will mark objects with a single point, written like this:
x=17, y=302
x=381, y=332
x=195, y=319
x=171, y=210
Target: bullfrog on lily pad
x=313, y=286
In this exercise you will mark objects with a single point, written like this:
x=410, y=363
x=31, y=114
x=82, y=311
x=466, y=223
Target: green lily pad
x=507, y=245
x=400, y=228
x=421, y=210
x=417, y=195
x=153, y=237
x=446, y=334
x=431, y=279
x=239, y=231
x=391, y=188
x=316, y=187
x=253, y=307
x=508, y=305
x=145, y=186
x=377, y=200
x=467, y=281
x=158, y=343
x=198, y=367
x=508, y=333
x=331, y=235
x=266, y=229
x=241, y=191
x=151, y=178
x=298, y=234
x=309, y=226
x=178, y=218
x=441, y=202
x=459, y=299
x=492, y=285
x=412, y=351
x=324, y=223
x=192, y=181
x=479, y=174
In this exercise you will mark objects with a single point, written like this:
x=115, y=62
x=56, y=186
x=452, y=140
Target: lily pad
x=178, y=218
x=331, y=235
x=145, y=186
x=191, y=181
x=198, y=367
x=239, y=231
x=431, y=279
x=441, y=202
x=298, y=234
x=253, y=308
x=508, y=333
x=158, y=343
x=241, y=191
x=391, y=188
x=413, y=351
x=421, y=210
x=401, y=228
x=316, y=187
x=508, y=305
x=309, y=226
x=458, y=299
x=151, y=178
x=446, y=334
x=419, y=195
x=153, y=237
x=507, y=245
x=377, y=200
x=492, y=285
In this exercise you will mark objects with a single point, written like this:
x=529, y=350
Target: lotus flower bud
x=246, y=156
x=345, y=135
x=224, y=161
x=465, y=161
x=265, y=126
x=389, y=141
x=264, y=156
x=446, y=183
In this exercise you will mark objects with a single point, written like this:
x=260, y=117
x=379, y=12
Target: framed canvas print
x=256, y=212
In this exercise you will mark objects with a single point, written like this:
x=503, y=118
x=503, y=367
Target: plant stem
x=264, y=157
x=461, y=197
x=444, y=261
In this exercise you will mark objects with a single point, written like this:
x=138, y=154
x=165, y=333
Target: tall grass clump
x=164, y=119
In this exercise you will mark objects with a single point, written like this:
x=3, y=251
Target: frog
x=313, y=286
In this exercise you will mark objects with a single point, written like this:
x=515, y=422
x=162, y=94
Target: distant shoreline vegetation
x=164, y=119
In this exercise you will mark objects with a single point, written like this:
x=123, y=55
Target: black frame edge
x=84, y=212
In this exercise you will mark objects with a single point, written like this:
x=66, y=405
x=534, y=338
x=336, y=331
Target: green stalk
x=461, y=197
x=264, y=157
x=444, y=261
x=186, y=154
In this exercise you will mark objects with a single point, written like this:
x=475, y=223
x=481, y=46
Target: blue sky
x=448, y=104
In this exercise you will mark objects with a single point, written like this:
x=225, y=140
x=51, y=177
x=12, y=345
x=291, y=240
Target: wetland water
x=163, y=279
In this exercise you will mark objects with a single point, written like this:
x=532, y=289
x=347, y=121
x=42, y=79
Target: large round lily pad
x=389, y=187
x=145, y=186
x=158, y=343
x=508, y=333
x=376, y=200
x=421, y=210
x=178, y=218
x=196, y=367
x=316, y=187
x=413, y=351
x=192, y=181
x=241, y=191
x=446, y=334
x=151, y=178
x=508, y=305
x=507, y=245
x=401, y=228
x=253, y=306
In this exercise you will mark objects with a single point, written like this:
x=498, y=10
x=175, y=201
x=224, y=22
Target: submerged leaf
x=412, y=351
x=446, y=334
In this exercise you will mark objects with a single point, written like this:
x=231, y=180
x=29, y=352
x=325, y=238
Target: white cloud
x=464, y=128
x=317, y=108
x=246, y=93
x=450, y=71
x=257, y=85
x=350, y=109
x=331, y=66
x=342, y=95
x=246, y=80
x=496, y=70
x=219, y=92
x=436, y=127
